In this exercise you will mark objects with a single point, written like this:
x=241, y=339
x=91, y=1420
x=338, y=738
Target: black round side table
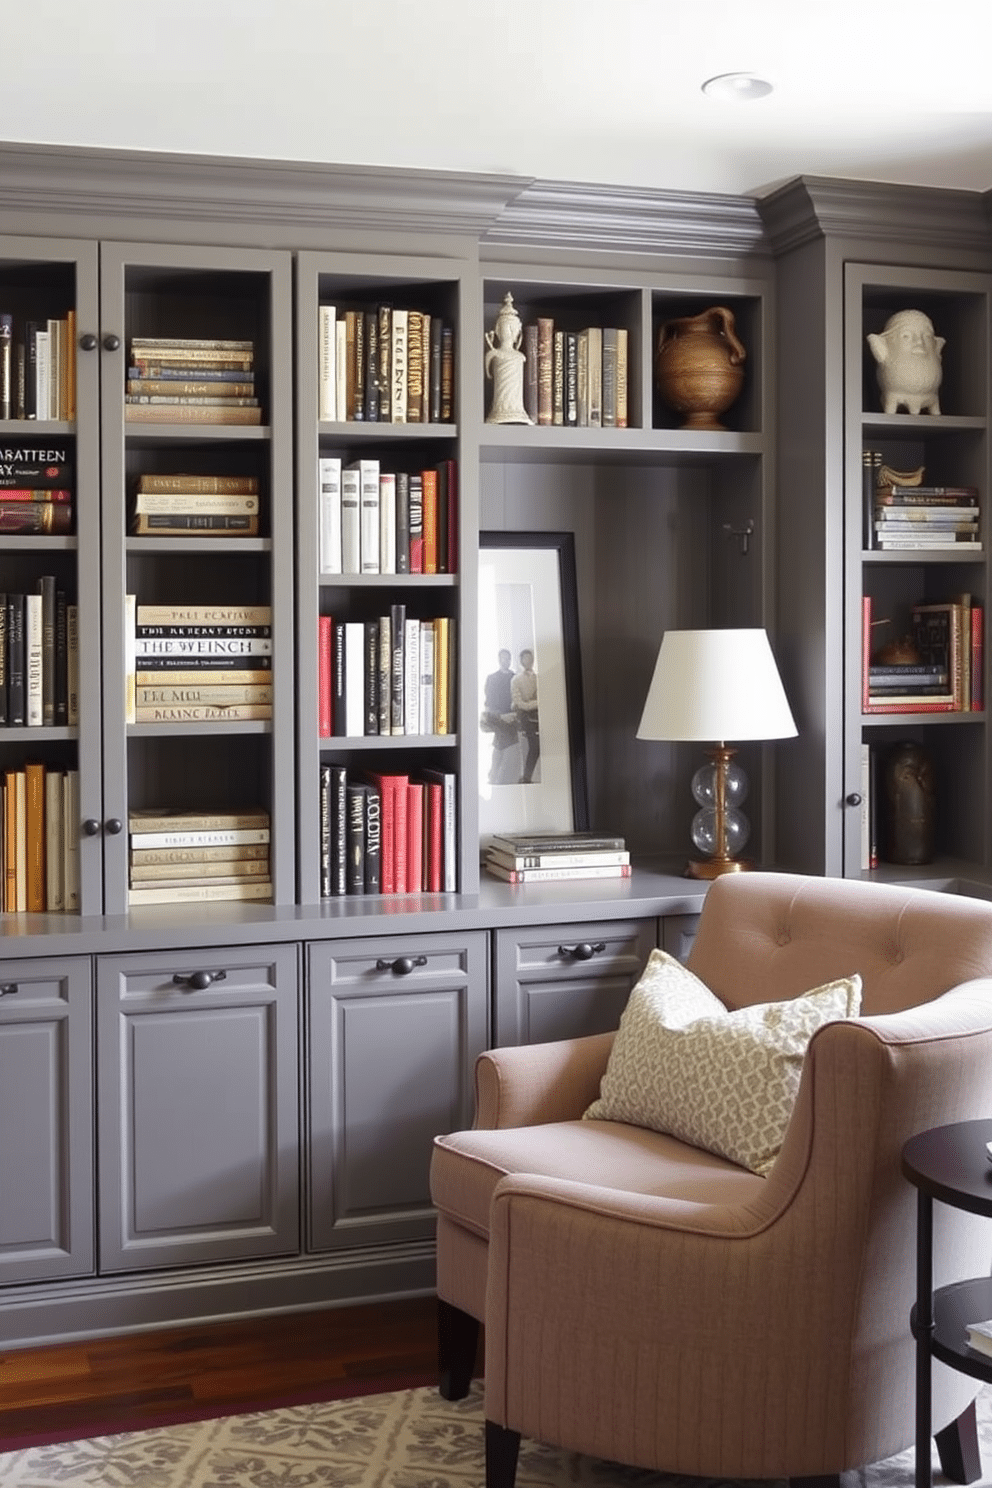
x=949, y=1163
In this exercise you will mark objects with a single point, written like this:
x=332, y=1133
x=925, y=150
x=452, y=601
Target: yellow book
x=34, y=838
x=442, y=641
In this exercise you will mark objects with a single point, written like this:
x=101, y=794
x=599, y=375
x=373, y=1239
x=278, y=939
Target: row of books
x=195, y=506
x=552, y=857
x=36, y=490
x=39, y=808
x=387, y=833
x=393, y=674
x=939, y=666
x=575, y=378
x=191, y=380
x=198, y=663
x=39, y=657
x=908, y=516
x=375, y=521
x=385, y=364
x=38, y=367
x=185, y=857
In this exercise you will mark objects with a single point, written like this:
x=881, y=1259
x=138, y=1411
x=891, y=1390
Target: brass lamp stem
x=719, y=861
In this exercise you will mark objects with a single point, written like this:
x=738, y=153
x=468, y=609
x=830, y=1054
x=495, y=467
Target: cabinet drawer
x=566, y=981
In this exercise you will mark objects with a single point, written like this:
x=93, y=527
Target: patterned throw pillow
x=726, y=1081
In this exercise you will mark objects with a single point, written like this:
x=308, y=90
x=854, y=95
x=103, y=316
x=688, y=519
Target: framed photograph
x=532, y=756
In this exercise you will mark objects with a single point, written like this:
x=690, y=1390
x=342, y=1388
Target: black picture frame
x=528, y=600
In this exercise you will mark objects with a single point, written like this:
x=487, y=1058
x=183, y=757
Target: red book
x=434, y=837
x=452, y=556
x=8, y=493
x=400, y=854
x=393, y=835
x=414, y=837
x=325, y=627
x=429, y=486
x=977, y=658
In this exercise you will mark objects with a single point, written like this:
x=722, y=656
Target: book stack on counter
x=195, y=506
x=198, y=663
x=390, y=675
x=550, y=857
x=575, y=378
x=39, y=657
x=36, y=491
x=39, y=829
x=186, y=857
x=385, y=364
x=943, y=668
x=387, y=833
x=189, y=380
x=375, y=521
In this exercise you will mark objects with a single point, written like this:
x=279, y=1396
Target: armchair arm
x=532, y=1084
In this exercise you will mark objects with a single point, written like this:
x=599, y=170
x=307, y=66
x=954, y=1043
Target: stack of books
x=190, y=380
x=547, y=857
x=918, y=518
x=376, y=521
x=942, y=670
x=385, y=364
x=387, y=833
x=183, y=857
x=195, y=506
x=36, y=491
x=198, y=663
x=390, y=675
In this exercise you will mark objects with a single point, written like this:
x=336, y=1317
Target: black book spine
x=338, y=720
x=339, y=830
x=434, y=391
x=358, y=395
x=385, y=334
x=46, y=585
x=373, y=840
x=325, y=831
x=371, y=676
x=870, y=461
x=355, y=793
x=3, y=660
x=16, y=689
x=372, y=365
x=31, y=329
x=6, y=366
x=397, y=630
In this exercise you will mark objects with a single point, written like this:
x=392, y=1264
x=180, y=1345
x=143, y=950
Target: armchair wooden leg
x=958, y=1449
x=457, y=1342
x=502, y=1447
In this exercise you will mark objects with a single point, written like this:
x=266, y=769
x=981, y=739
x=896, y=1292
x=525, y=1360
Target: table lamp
x=715, y=685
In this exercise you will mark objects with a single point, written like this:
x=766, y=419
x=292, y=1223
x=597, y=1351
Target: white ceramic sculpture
x=908, y=357
x=505, y=365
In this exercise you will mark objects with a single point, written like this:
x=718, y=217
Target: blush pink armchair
x=654, y=1304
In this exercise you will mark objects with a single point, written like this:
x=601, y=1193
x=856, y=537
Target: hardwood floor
x=134, y=1379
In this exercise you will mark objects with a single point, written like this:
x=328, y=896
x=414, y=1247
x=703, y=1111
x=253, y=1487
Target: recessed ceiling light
x=739, y=87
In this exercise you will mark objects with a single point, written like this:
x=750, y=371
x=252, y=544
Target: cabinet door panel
x=198, y=1123
x=46, y=1102
x=390, y=1059
x=556, y=982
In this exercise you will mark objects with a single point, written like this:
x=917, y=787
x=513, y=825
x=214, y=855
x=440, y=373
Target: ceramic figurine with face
x=909, y=368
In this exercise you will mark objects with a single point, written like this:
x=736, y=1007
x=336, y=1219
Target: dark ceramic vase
x=909, y=802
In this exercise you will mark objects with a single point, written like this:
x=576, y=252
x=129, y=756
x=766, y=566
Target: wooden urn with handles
x=699, y=366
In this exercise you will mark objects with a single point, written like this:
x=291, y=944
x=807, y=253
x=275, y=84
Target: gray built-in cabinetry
x=227, y=1108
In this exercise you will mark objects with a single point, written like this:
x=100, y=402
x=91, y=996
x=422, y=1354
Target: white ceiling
x=580, y=90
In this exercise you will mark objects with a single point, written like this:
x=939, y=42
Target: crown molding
x=73, y=181
x=811, y=207
x=619, y=219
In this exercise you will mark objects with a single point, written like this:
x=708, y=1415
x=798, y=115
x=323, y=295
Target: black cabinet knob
x=88, y=341
x=113, y=826
x=583, y=951
x=402, y=966
x=198, y=981
x=111, y=342
x=8, y=989
x=853, y=799
x=91, y=827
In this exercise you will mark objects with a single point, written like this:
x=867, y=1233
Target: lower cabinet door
x=394, y=1027
x=566, y=981
x=46, y=1119
x=198, y=1087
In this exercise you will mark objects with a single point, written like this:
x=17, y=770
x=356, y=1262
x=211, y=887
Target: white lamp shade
x=715, y=686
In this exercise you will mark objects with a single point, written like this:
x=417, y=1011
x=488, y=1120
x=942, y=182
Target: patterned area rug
x=407, y=1439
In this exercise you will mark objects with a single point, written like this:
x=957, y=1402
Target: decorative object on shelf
x=886, y=476
x=699, y=366
x=532, y=773
x=909, y=804
x=909, y=367
x=717, y=685
x=504, y=362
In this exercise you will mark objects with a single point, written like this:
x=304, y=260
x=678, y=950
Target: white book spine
x=33, y=660
x=351, y=542
x=329, y=513
x=411, y=677
x=54, y=842
x=43, y=375
x=387, y=522
x=341, y=371
x=427, y=645
x=327, y=363
x=354, y=679
x=130, y=656
x=369, y=531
